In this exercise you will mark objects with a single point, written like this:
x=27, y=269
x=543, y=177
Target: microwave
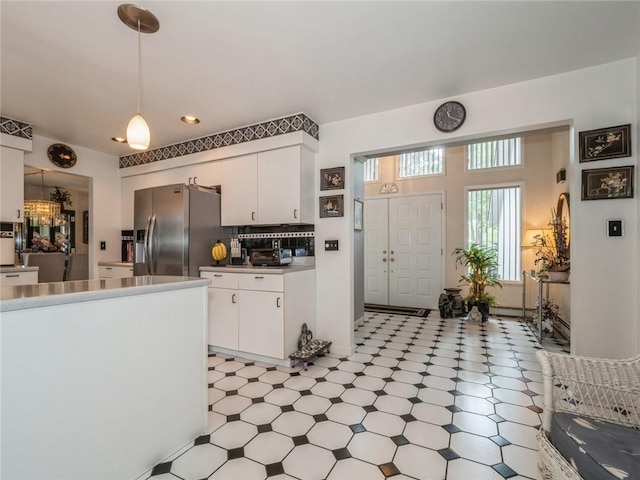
x=270, y=256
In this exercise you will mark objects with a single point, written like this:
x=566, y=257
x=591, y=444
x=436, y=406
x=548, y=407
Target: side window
x=494, y=220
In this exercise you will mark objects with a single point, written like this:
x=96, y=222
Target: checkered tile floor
x=422, y=398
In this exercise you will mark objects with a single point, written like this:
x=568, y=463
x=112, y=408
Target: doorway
x=403, y=251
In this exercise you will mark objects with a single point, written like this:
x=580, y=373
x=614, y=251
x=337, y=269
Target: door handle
x=384, y=252
x=384, y=259
x=253, y=215
x=152, y=228
x=295, y=213
x=233, y=298
x=391, y=259
x=258, y=278
x=18, y=211
x=278, y=302
x=391, y=252
x=12, y=276
x=217, y=275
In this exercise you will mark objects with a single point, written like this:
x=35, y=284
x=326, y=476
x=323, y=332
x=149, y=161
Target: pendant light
x=142, y=21
x=41, y=212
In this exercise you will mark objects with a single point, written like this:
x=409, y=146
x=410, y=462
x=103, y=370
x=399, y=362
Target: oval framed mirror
x=563, y=216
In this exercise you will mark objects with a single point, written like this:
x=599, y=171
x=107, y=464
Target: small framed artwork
x=85, y=226
x=332, y=206
x=606, y=183
x=357, y=214
x=605, y=143
x=332, y=178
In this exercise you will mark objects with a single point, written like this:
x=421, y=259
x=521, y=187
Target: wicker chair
x=599, y=389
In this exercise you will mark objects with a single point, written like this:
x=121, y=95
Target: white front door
x=409, y=264
x=376, y=251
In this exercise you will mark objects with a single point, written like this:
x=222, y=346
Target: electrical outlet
x=330, y=245
x=103, y=245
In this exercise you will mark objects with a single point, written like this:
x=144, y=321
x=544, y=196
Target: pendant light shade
x=138, y=134
x=142, y=21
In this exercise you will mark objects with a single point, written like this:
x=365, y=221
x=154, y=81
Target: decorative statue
x=474, y=315
x=305, y=337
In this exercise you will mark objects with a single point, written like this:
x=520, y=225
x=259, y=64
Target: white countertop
x=18, y=269
x=21, y=297
x=252, y=269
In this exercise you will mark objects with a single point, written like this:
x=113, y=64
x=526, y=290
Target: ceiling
x=70, y=67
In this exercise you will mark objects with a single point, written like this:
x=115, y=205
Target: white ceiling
x=70, y=68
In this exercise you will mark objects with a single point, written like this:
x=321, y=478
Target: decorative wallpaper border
x=16, y=128
x=271, y=128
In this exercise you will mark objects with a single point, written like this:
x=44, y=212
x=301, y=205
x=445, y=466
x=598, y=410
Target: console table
x=535, y=325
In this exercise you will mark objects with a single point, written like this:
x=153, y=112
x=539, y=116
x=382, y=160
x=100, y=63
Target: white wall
x=104, y=197
x=604, y=315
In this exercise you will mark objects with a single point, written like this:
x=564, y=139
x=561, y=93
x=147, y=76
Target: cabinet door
x=239, y=197
x=223, y=318
x=11, y=185
x=261, y=320
x=279, y=186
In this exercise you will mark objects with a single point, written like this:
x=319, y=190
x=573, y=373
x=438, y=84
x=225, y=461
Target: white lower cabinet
x=262, y=323
x=11, y=279
x=258, y=313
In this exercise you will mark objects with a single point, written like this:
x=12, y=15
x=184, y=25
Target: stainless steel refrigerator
x=175, y=227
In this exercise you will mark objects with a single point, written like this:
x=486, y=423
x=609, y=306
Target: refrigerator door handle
x=152, y=227
x=146, y=245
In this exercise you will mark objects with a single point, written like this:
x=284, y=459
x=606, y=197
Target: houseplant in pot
x=481, y=264
x=552, y=256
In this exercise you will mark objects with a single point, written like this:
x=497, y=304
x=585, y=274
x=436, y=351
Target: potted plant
x=481, y=264
x=553, y=250
x=61, y=196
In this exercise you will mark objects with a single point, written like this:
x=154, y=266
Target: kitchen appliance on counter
x=270, y=257
x=7, y=244
x=174, y=229
x=127, y=246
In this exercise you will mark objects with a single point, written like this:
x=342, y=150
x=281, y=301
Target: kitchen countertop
x=115, y=264
x=18, y=269
x=21, y=297
x=252, y=269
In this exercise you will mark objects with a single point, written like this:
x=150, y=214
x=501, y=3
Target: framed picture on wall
x=332, y=206
x=605, y=143
x=332, y=178
x=357, y=214
x=607, y=183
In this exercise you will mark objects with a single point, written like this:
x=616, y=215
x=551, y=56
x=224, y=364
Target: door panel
x=415, y=238
x=376, y=228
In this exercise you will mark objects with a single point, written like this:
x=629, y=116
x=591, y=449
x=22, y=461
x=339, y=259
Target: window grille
x=425, y=162
x=371, y=172
x=494, y=220
x=493, y=154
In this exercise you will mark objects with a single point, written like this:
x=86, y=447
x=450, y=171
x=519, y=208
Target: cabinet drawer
x=18, y=278
x=264, y=282
x=221, y=280
x=114, y=272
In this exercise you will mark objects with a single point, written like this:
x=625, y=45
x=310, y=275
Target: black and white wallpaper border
x=16, y=128
x=270, y=128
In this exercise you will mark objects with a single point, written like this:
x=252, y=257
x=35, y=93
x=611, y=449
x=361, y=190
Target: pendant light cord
x=139, y=67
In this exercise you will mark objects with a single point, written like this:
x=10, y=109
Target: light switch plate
x=330, y=245
x=615, y=228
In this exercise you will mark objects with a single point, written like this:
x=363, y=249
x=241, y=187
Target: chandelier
x=42, y=212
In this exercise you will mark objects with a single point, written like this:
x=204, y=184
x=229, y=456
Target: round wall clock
x=449, y=116
x=62, y=155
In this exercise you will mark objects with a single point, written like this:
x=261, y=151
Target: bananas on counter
x=219, y=251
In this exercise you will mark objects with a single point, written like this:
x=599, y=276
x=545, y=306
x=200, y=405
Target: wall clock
x=62, y=155
x=449, y=116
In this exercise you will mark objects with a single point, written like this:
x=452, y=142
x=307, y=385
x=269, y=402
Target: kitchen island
x=101, y=378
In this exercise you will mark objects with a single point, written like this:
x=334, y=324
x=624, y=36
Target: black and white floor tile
x=422, y=398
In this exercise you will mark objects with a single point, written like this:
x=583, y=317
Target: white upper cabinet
x=11, y=185
x=270, y=188
x=239, y=200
